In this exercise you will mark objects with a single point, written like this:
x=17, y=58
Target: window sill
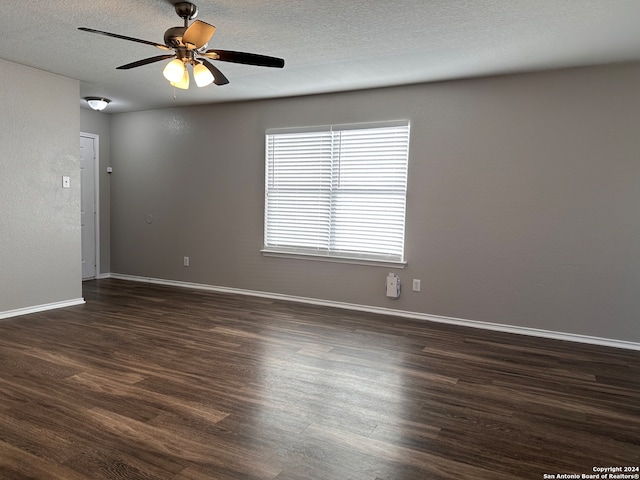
x=334, y=259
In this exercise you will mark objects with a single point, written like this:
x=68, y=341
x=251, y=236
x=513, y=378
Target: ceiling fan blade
x=243, y=57
x=131, y=39
x=218, y=77
x=145, y=61
x=198, y=34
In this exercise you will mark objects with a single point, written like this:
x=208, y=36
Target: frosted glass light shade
x=202, y=75
x=98, y=103
x=174, y=71
x=184, y=81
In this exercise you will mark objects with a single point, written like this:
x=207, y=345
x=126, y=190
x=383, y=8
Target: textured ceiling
x=328, y=45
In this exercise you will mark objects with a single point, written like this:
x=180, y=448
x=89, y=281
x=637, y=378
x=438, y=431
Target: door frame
x=96, y=197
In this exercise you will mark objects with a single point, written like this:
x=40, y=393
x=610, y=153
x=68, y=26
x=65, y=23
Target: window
x=337, y=191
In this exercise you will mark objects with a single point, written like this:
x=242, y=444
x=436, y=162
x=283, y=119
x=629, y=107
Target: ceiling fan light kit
x=202, y=75
x=174, y=71
x=189, y=44
x=183, y=83
x=98, y=103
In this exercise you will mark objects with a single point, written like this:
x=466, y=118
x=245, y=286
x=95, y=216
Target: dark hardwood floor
x=150, y=382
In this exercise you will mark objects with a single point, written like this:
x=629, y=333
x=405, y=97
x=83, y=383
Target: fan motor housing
x=173, y=37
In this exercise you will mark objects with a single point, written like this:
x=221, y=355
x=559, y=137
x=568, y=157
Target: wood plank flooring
x=150, y=382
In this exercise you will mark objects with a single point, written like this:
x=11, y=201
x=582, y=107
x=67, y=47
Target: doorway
x=89, y=170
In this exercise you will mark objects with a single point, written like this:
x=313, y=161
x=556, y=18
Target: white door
x=88, y=156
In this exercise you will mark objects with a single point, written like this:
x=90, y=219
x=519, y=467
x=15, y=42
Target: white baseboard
x=534, y=332
x=41, y=308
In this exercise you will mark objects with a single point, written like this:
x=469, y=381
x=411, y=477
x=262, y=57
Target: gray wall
x=99, y=124
x=40, y=259
x=522, y=206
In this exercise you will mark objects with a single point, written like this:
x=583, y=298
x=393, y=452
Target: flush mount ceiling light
x=189, y=45
x=98, y=103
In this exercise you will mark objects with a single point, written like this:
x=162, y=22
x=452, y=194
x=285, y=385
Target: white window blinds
x=337, y=191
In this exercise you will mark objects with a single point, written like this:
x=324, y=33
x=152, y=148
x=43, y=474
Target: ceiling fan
x=189, y=44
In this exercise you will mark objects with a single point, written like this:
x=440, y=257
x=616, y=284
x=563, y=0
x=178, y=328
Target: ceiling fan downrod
x=187, y=11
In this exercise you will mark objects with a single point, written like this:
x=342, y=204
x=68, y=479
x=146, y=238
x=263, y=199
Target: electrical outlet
x=185, y=261
x=416, y=285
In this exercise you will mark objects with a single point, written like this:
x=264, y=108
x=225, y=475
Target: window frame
x=342, y=256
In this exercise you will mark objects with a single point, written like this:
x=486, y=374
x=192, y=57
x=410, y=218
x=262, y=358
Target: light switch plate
x=66, y=181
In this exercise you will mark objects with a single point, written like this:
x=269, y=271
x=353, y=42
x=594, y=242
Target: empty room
x=319, y=240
